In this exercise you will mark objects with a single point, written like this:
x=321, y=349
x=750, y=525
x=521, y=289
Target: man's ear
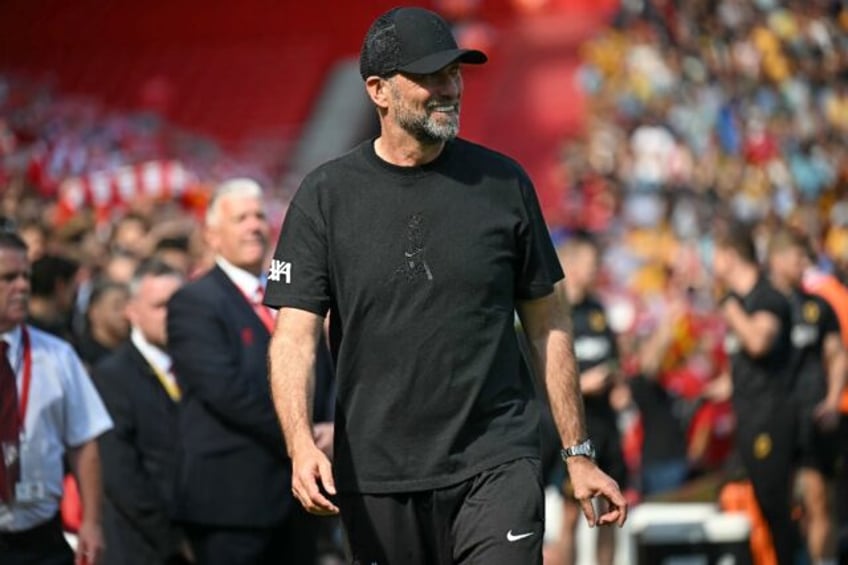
x=211, y=237
x=129, y=311
x=378, y=91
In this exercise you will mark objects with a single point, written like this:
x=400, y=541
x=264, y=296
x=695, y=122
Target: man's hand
x=323, y=435
x=309, y=466
x=596, y=380
x=719, y=389
x=730, y=307
x=827, y=414
x=589, y=482
x=90, y=544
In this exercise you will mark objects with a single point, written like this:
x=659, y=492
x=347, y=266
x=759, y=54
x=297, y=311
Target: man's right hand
x=309, y=466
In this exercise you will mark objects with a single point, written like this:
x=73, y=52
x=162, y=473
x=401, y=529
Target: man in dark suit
x=138, y=454
x=234, y=485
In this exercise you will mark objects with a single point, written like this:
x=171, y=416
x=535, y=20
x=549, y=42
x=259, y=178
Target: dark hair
x=155, y=268
x=176, y=243
x=8, y=224
x=48, y=271
x=786, y=238
x=152, y=268
x=11, y=240
x=578, y=239
x=101, y=288
x=737, y=237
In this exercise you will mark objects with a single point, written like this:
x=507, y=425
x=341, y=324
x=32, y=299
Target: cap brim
x=440, y=60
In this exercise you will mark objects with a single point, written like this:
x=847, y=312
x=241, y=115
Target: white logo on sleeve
x=510, y=537
x=280, y=269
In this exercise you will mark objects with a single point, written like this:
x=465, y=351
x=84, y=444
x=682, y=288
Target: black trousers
x=291, y=542
x=766, y=442
x=42, y=545
x=495, y=518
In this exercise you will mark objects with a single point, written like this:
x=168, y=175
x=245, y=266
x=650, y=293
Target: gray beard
x=428, y=131
x=423, y=127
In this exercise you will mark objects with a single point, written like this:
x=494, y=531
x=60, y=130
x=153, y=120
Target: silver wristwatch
x=583, y=449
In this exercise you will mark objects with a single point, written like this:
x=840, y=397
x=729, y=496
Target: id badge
x=6, y=518
x=32, y=486
x=30, y=491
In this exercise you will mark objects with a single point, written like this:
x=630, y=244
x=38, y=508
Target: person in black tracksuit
x=596, y=353
x=820, y=365
x=759, y=320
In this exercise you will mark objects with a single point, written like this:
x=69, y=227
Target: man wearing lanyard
x=48, y=407
x=139, y=454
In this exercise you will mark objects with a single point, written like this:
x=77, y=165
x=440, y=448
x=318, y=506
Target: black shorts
x=496, y=517
x=818, y=449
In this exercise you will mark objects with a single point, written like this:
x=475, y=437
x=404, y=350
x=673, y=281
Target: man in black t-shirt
x=597, y=362
x=421, y=246
x=759, y=345
x=820, y=365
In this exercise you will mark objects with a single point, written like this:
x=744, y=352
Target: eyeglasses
x=13, y=276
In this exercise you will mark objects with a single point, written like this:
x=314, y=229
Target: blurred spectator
x=664, y=464
x=759, y=343
x=120, y=266
x=598, y=362
x=234, y=488
x=62, y=415
x=130, y=235
x=175, y=252
x=36, y=236
x=107, y=325
x=820, y=365
x=140, y=453
x=53, y=289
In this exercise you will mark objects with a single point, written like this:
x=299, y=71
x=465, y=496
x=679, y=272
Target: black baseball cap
x=411, y=40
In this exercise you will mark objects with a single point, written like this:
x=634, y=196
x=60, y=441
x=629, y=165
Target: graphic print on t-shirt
x=414, y=262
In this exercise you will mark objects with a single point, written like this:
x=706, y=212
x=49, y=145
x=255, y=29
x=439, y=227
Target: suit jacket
x=233, y=469
x=137, y=458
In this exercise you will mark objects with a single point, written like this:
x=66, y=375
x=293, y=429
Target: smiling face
x=14, y=287
x=240, y=231
x=426, y=106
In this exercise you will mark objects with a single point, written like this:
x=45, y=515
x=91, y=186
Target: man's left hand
x=90, y=544
x=827, y=415
x=589, y=482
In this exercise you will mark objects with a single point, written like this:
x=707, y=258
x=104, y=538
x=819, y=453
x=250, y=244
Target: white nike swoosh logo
x=515, y=537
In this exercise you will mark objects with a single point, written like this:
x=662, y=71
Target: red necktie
x=9, y=424
x=261, y=310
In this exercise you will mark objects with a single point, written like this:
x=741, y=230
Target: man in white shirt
x=48, y=409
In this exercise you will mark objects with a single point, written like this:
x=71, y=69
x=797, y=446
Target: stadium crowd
x=701, y=114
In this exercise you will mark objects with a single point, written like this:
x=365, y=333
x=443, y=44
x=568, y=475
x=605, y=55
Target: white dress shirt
x=64, y=411
x=155, y=356
x=249, y=284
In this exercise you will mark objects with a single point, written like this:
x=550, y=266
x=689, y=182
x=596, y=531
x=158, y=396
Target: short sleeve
x=829, y=321
x=771, y=302
x=298, y=276
x=538, y=265
x=85, y=415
